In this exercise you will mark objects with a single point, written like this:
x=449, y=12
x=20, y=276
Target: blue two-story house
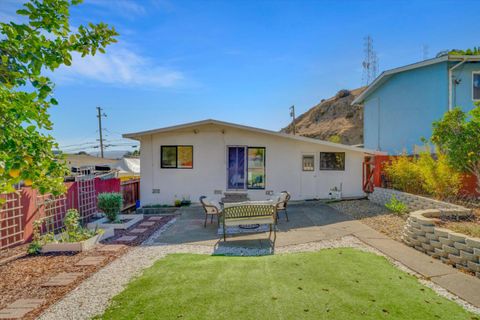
x=401, y=104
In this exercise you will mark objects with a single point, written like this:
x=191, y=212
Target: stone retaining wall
x=413, y=202
x=452, y=248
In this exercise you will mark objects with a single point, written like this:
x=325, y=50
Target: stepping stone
x=126, y=238
x=111, y=248
x=20, y=308
x=146, y=224
x=138, y=230
x=62, y=279
x=90, y=261
x=155, y=218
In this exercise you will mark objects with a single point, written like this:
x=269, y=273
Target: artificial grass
x=330, y=284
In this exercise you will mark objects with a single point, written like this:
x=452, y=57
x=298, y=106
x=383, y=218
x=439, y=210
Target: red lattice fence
x=27, y=205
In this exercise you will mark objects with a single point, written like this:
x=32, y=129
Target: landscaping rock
x=462, y=246
x=473, y=242
x=456, y=259
x=457, y=237
x=450, y=250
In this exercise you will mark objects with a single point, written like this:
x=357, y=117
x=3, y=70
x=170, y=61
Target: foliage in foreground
x=111, y=204
x=424, y=175
x=43, y=43
x=457, y=134
x=72, y=232
x=396, y=205
x=329, y=284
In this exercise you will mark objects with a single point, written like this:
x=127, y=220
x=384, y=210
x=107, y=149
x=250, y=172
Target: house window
x=256, y=168
x=476, y=86
x=176, y=157
x=332, y=161
x=308, y=163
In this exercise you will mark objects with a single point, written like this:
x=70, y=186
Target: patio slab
x=91, y=261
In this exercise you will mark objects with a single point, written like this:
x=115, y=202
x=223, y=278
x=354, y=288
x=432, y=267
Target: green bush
x=424, y=175
x=396, y=205
x=404, y=175
x=111, y=204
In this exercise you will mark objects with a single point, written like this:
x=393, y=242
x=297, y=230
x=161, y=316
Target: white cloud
x=119, y=66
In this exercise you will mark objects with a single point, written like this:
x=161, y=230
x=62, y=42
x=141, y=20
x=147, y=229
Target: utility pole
x=292, y=114
x=99, y=116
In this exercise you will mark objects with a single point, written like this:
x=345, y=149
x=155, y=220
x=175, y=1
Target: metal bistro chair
x=283, y=202
x=210, y=210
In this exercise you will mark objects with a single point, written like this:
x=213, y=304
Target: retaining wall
x=452, y=248
x=413, y=202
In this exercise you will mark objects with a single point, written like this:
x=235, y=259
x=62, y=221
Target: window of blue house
x=476, y=86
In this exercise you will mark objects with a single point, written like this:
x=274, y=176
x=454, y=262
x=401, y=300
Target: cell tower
x=370, y=62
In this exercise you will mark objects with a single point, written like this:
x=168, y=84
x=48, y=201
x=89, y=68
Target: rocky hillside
x=333, y=119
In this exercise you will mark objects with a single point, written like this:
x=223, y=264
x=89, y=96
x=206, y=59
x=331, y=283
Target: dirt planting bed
x=373, y=215
x=469, y=225
x=24, y=277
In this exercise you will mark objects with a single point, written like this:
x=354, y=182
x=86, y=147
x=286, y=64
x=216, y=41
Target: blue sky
x=239, y=61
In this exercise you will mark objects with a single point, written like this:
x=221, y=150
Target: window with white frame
x=308, y=163
x=476, y=86
x=332, y=161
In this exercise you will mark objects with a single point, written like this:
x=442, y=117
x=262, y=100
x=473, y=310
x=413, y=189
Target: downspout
x=450, y=74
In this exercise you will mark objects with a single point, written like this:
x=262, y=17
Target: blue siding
x=462, y=95
x=408, y=103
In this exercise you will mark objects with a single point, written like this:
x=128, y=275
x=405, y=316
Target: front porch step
x=230, y=197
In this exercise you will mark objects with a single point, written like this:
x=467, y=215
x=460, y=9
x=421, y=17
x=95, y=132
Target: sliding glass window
x=256, y=168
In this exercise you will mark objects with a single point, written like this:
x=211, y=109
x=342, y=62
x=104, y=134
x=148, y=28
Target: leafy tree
x=335, y=138
x=458, y=135
x=27, y=51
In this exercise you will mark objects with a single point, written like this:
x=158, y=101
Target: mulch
x=22, y=275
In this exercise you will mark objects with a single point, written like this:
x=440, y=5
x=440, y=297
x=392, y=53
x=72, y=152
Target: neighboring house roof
x=137, y=135
x=386, y=75
x=128, y=165
x=80, y=160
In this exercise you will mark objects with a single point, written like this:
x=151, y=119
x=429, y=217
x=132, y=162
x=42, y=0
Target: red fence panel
x=130, y=190
x=27, y=205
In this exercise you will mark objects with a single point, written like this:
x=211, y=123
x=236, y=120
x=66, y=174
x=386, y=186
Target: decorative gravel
x=375, y=216
x=92, y=297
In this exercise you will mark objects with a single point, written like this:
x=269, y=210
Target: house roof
x=137, y=135
x=386, y=75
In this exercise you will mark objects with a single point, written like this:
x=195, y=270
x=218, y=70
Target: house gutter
x=450, y=85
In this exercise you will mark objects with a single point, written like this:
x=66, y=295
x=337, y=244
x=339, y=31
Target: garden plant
x=111, y=204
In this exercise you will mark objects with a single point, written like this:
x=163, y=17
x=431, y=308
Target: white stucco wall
x=209, y=173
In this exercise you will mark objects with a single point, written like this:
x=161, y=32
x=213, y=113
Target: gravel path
x=374, y=216
x=92, y=297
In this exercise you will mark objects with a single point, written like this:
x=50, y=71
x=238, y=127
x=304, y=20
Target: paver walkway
x=313, y=221
x=62, y=279
x=20, y=308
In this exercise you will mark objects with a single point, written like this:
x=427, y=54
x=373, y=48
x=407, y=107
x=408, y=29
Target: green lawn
x=330, y=284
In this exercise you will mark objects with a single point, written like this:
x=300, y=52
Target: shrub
x=404, y=175
x=424, y=175
x=438, y=177
x=396, y=205
x=111, y=204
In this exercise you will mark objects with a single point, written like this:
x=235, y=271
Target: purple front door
x=236, y=168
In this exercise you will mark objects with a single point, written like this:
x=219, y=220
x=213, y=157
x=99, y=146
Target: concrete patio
x=315, y=221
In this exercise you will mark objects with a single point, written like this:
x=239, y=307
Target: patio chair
x=282, y=202
x=211, y=209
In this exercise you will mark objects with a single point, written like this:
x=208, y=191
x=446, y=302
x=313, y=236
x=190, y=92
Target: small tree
x=111, y=204
x=458, y=135
x=43, y=43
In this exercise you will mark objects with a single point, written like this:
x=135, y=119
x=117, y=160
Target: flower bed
x=459, y=250
x=71, y=246
x=126, y=221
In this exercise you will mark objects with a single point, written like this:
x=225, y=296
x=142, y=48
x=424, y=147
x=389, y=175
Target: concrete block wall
x=381, y=196
x=456, y=249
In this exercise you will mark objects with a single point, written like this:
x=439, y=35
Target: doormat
x=239, y=230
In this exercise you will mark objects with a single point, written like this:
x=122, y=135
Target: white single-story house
x=212, y=157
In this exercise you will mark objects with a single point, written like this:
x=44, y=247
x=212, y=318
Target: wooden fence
x=27, y=205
